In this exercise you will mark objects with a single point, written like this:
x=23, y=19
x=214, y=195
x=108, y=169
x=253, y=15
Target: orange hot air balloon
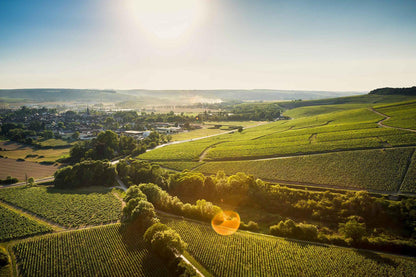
x=226, y=222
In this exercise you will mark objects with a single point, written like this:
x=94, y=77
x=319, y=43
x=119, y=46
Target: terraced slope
x=326, y=132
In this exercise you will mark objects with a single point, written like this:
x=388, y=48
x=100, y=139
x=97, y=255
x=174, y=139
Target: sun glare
x=167, y=19
x=226, y=222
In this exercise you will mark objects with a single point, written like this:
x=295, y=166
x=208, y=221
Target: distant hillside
x=212, y=96
x=143, y=97
x=394, y=91
x=62, y=95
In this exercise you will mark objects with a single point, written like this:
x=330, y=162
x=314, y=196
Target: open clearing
x=10, y=167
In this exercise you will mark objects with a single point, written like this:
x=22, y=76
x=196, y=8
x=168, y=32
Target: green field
x=101, y=251
x=248, y=254
x=54, y=143
x=14, y=150
x=326, y=132
x=14, y=225
x=73, y=209
x=381, y=170
x=403, y=115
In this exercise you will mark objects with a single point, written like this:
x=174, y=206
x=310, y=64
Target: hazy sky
x=208, y=44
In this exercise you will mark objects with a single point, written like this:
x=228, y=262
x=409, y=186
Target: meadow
x=68, y=208
x=381, y=170
x=14, y=225
x=14, y=150
x=249, y=254
x=100, y=251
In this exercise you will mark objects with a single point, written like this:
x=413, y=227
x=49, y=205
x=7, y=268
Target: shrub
x=250, y=226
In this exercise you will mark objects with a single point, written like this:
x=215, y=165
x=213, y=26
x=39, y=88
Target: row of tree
x=108, y=145
x=84, y=174
x=139, y=214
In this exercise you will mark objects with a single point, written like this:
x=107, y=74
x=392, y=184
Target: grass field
x=248, y=254
x=54, y=143
x=14, y=225
x=22, y=151
x=75, y=208
x=101, y=251
x=325, y=132
x=381, y=170
x=10, y=167
x=403, y=115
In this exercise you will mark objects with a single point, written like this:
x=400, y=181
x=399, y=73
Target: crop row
x=341, y=130
x=381, y=170
x=14, y=225
x=67, y=208
x=409, y=182
x=248, y=254
x=402, y=115
x=102, y=251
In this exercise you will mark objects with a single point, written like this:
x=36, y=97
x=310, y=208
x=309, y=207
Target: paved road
x=45, y=179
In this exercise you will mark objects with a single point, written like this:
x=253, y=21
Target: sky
x=344, y=45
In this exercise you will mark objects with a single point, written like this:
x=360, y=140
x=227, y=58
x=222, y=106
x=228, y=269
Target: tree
x=143, y=215
x=167, y=244
x=31, y=181
x=47, y=134
x=353, y=229
x=157, y=227
x=75, y=135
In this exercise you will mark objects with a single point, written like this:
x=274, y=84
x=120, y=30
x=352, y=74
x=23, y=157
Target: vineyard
x=402, y=115
x=14, y=225
x=248, y=254
x=409, y=182
x=326, y=132
x=179, y=165
x=101, y=251
x=381, y=170
x=68, y=208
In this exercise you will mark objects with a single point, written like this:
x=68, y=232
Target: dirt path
x=405, y=172
x=386, y=117
x=205, y=152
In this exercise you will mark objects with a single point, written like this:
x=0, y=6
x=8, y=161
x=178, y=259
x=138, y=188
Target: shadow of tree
x=376, y=257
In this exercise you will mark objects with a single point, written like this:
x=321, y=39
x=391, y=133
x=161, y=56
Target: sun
x=225, y=222
x=167, y=19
